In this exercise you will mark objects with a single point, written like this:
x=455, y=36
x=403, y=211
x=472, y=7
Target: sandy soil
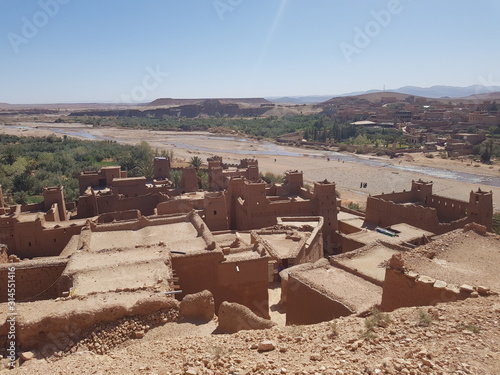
x=456, y=338
x=394, y=175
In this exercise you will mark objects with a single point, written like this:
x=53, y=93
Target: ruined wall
x=197, y=272
x=409, y=289
x=174, y=206
x=144, y=203
x=32, y=240
x=35, y=279
x=399, y=197
x=312, y=250
x=448, y=209
x=306, y=305
x=118, y=216
x=385, y=213
x=55, y=196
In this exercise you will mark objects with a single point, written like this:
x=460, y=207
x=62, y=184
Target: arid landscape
x=347, y=171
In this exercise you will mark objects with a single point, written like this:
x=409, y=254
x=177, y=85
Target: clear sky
x=138, y=50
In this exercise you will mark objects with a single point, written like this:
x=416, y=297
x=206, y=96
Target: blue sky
x=138, y=50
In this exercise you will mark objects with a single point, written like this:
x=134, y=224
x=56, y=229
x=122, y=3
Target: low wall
x=403, y=289
x=197, y=271
x=244, y=282
x=306, y=305
x=34, y=279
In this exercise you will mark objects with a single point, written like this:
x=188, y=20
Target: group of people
x=363, y=185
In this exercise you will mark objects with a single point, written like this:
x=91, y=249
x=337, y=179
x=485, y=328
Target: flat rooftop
x=358, y=294
x=459, y=257
x=368, y=260
x=407, y=233
x=181, y=236
x=284, y=246
x=99, y=272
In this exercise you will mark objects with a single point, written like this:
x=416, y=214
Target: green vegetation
x=424, y=319
x=377, y=319
x=195, y=162
x=496, y=222
x=31, y=163
x=471, y=327
x=316, y=128
x=271, y=178
x=334, y=330
x=353, y=206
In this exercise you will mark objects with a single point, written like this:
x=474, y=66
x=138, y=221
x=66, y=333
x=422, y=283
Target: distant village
x=454, y=126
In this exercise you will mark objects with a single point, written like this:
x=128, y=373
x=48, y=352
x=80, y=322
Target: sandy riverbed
x=273, y=158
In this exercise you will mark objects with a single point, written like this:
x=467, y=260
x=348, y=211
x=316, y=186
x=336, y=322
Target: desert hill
x=179, y=102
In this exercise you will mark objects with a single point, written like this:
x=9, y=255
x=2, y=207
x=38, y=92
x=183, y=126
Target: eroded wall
x=34, y=280
x=405, y=290
x=306, y=305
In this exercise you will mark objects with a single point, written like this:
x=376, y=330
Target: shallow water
x=272, y=149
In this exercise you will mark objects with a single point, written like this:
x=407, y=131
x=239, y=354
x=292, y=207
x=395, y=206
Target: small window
x=215, y=212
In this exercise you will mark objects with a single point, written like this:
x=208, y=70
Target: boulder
x=198, y=306
x=234, y=317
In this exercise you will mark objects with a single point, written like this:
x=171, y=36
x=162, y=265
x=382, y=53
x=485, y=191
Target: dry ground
x=456, y=338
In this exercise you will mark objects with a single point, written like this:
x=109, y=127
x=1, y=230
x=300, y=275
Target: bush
x=353, y=206
x=271, y=178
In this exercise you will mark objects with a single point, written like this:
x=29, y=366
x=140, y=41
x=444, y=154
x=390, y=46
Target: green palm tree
x=195, y=162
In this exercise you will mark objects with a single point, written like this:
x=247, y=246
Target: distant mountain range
x=428, y=92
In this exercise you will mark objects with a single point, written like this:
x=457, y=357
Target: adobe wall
x=346, y=228
x=409, y=289
x=216, y=212
x=399, y=197
x=4, y=257
x=251, y=216
x=89, y=179
x=34, y=280
x=312, y=250
x=54, y=197
x=247, y=285
x=174, y=206
x=306, y=305
x=52, y=214
x=448, y=209
x=197, y=272
x=87, y=206
x=161, y=168
x=385, y=213
x=189, y=180
x=118, y=216
x=33, y=240
x=144, y=203
x=349, y=244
